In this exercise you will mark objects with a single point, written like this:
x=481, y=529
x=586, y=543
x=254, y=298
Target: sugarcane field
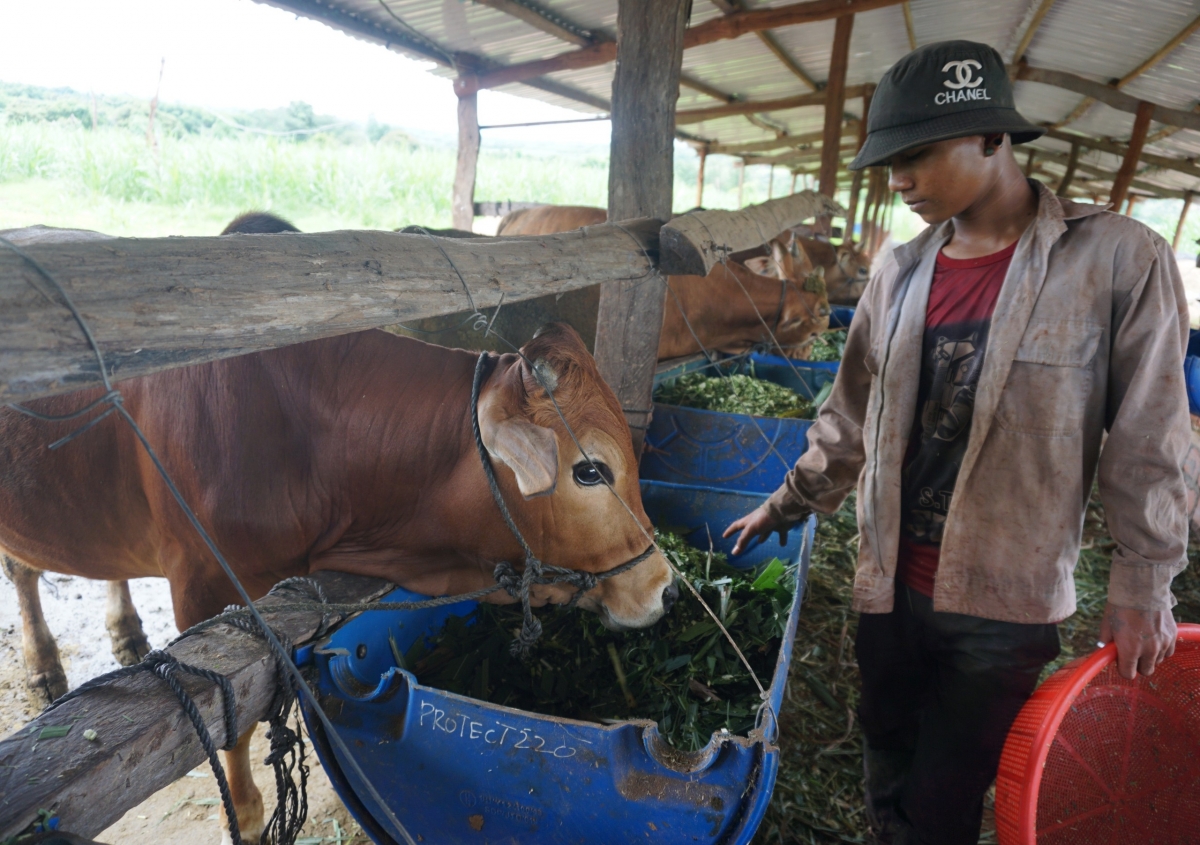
x=542, y=422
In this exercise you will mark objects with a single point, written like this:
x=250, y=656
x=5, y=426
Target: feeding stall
x=165, y=303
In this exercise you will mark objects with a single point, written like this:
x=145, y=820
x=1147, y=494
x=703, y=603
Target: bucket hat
x=950, y=89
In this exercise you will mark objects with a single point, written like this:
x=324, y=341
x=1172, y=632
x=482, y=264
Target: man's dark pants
x=939, y=693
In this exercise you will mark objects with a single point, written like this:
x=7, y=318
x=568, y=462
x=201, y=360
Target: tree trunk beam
x=693, y=244
x=755, y=107
x=158, y=303
x=1137, y=140
x=144, y=740
x=1106, y=94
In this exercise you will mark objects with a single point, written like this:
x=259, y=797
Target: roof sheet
x=1097, y=39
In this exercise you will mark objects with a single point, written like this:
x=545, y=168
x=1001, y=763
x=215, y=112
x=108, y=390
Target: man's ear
x=529, y=450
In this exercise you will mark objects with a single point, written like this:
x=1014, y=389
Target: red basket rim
x=1082, y=674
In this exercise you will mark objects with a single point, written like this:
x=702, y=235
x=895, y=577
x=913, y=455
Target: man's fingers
x=1127, y=662
x=783, y=532
x=1146, y=663
x=735, y=527
x=742, y=540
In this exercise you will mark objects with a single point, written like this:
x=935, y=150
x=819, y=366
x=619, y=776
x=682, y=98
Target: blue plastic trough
x=457, y=770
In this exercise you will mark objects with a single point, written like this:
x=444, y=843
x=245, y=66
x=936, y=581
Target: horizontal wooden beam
x=159, y=303
x=798, y=156
x=1102, y=175
x=717, y=29
x=693, y=243
x=816, y=98
x=143, y=739
x=787, y=141
x=547, y=22
x=1105, y=94
x=1180, y=165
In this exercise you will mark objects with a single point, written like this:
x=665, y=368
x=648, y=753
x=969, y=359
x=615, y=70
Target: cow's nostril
x=670, y=596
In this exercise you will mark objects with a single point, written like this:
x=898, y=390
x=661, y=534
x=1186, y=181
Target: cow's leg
x=129, y=644
x=247, y=800
x=44, y=675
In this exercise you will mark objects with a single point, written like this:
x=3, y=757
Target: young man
x=984, y=366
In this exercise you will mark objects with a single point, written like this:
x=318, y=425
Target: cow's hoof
x=46, y=687
x=130, y=650
x=249, y=837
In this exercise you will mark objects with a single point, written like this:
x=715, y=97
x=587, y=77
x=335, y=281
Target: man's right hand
x=757, y=524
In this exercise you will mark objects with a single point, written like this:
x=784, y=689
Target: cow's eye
x=592, y=473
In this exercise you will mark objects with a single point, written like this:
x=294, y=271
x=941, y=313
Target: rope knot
x=508, y=578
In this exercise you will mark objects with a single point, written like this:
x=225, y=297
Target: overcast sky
x=237, y=54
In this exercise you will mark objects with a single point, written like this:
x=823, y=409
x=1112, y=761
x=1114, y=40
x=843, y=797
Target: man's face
x=941, y=180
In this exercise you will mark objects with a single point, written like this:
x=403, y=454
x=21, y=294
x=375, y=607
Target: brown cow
x=847, y=269
x=351, y=453
x=727, y=308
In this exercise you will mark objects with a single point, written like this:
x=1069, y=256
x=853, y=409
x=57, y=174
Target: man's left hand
x=1144, y=638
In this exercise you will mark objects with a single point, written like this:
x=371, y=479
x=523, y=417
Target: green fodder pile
x=829, y=346
x=734, y=394
x=681, y=673
x=818, y=794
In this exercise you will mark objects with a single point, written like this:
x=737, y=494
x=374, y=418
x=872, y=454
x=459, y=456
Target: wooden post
x=1133, y=198
x=462, y=205
x=1141, y=123
x=857, y=180
x=794, y=175
x=741, y=180
x=835, y=102
x=641, y=160
x=1029, y=162
x=700, y=179
x=1072, y=160
x=771, y=183
x=1187, y=204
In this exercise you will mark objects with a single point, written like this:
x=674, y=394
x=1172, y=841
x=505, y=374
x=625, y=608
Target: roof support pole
x=1065, y=184
x=1029, y=160
x=641, y=160
x=462, y=204
x=857, y=180
x=741, y=181
x=1141, y=123
x=1187, y=204
x=700, y=179
x=835, y=102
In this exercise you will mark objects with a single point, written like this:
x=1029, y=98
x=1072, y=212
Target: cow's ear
x=781, y=260
x=529, y=450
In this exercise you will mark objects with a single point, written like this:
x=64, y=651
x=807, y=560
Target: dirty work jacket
x=1088, y=337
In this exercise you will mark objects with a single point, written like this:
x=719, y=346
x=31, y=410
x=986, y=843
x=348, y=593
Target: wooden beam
x=1180, y=165
x=462, y=203
x=1029, y=159
x=1096, y=173
x=650, y=36
x=717, y=29
x=1035, y=23
x=144, y=741
x=769, y=40
x=793, y=157
x=835, y=104
x=856, y=179
x=547, y=22
x=1107, y=95
x=159, y=303
x=1072, y=161
x=692, y=244
x=750, y=107
x=1137, y=139
x=1187, y=204
x=849, y=129
x=700, y=179
x=908, y=25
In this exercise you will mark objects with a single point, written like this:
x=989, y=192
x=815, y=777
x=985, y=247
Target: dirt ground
x=185, y=811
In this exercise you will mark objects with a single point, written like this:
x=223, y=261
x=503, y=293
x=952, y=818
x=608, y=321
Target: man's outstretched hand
x=1144, y=638
x=757, y=524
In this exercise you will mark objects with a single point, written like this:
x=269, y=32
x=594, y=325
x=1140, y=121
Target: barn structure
x=780, y=83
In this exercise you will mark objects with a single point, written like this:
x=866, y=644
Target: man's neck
x=997, y=219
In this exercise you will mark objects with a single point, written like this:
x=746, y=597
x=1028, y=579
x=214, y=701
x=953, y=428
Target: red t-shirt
x=962, y=298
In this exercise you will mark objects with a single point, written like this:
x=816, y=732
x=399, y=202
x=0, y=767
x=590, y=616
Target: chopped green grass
x=734, y=394
x=829, y=346
x=680, y=672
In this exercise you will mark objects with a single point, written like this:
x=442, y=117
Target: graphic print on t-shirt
x=962, y=297
x=952, y=359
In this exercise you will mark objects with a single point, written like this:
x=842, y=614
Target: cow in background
x=846, y=268
x=724, y=311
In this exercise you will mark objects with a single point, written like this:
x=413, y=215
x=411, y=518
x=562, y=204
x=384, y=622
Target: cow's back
x=550, y=219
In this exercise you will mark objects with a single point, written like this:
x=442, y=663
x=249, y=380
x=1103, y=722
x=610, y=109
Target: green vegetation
x=681, y=672
x=734, y=394
x=829, y=346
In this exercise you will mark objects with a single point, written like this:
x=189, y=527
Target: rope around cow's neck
x=535, y=571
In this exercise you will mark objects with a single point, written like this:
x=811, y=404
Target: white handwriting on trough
x=492, y=733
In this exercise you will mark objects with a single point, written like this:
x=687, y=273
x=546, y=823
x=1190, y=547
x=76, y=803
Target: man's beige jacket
x=1088, y=337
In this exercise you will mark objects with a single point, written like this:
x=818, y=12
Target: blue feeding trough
x=840, y=316
x=1191, y=376
x=456, y=770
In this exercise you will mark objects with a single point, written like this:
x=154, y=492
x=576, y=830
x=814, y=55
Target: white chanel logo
x=962, y=70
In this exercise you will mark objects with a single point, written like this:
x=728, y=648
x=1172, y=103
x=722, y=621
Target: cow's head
x=564, y=504
x=805, y=302
x=855, y=266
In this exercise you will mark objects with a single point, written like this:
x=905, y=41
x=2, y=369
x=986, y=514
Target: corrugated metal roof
x=1100, y=40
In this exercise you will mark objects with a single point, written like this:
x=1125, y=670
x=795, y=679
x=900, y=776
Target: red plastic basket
x=1093, y=758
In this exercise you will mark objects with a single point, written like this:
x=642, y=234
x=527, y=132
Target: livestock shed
x=780, y=84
